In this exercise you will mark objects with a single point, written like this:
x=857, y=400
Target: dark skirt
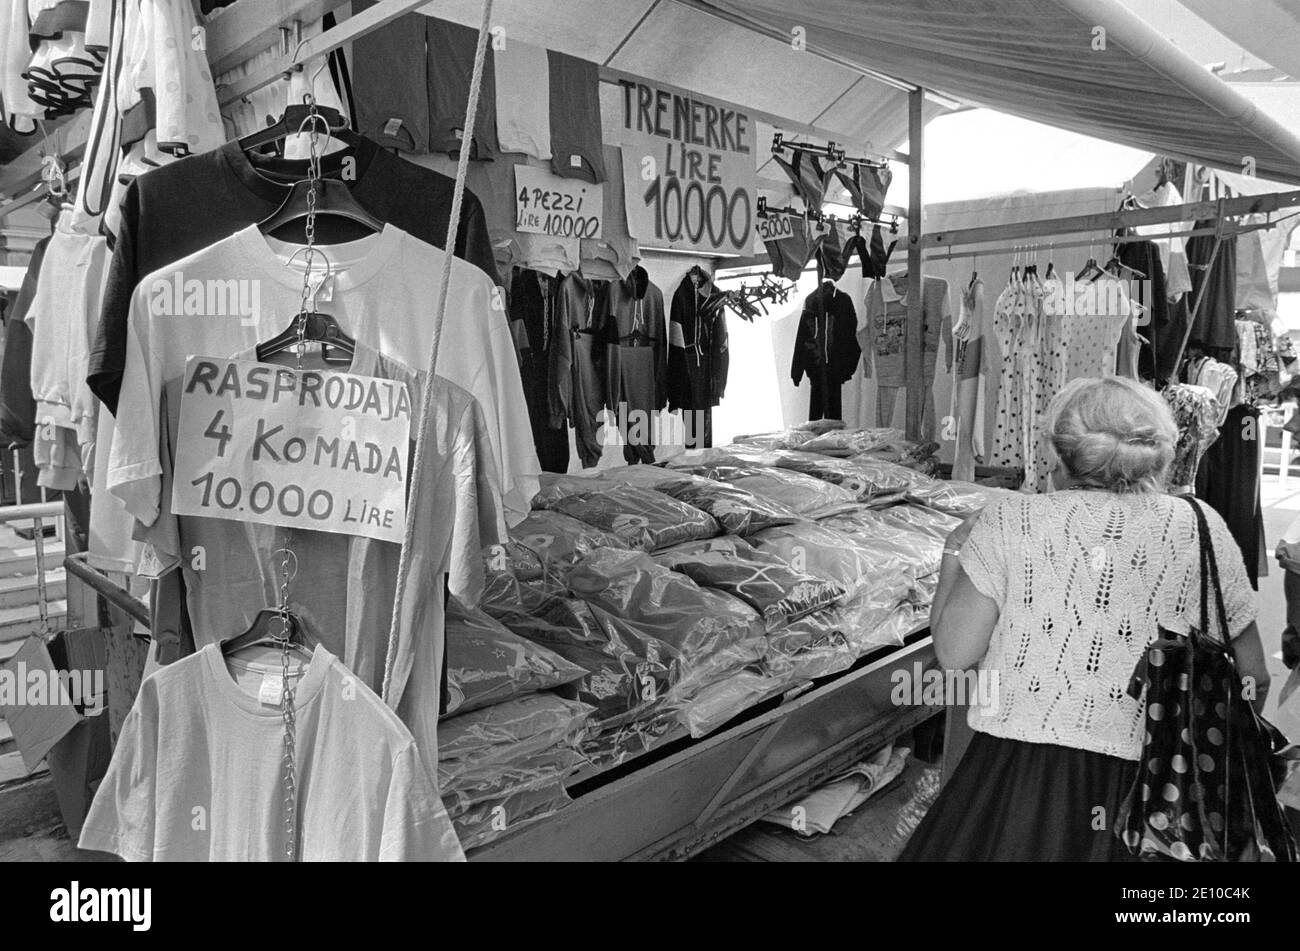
x=1012, y=801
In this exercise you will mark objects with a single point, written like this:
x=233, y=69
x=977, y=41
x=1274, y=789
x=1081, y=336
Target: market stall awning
x=673, y=42
x=1091, y=66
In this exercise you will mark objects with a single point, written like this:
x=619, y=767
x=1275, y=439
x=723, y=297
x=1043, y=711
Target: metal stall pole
x=913, y=352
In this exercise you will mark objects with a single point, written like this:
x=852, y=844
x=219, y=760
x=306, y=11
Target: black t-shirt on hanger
x=181, y=208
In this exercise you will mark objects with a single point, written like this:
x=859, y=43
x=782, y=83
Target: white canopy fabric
x=1045, y=60
x=673, y=42
x=1269, y=29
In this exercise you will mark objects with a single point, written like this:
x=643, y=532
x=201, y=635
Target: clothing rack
x=1111, y=221
x=764, y=210
x=1229, y=232
x=829, y=151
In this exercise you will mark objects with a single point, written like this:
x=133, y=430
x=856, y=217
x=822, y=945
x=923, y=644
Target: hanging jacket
x=575, y=314
x=826, y=336
x=635, y=318
x=697, y=348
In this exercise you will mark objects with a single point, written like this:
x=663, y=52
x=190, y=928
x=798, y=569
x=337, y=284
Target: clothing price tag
x=392, y=126
x=545, y=203
x=322, y=286
x=575, y=161
x=272, y=688
x=774, y=227
x=312, y=449
x=150, y=565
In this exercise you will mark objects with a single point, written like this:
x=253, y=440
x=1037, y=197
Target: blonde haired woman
x=1056, y=596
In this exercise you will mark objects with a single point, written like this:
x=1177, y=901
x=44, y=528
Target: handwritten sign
x=318, y=450
x=545, y=203
x=688, y=170
x=774, y=228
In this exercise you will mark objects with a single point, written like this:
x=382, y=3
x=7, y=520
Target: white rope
x=453, y=229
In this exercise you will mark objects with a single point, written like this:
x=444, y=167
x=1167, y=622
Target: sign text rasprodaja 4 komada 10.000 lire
x=299, y=449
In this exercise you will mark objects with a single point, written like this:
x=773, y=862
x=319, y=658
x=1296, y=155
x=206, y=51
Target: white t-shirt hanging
x=523, y=83
x=62, y=317
x=385, y=288
x=200, y=743
x=239, y=292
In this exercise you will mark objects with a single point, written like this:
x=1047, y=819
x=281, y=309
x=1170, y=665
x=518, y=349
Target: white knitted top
x=1083, y=579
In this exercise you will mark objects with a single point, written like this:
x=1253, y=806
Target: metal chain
x=308, y=304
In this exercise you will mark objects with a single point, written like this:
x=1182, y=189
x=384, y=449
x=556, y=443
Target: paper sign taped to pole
x=311, y=449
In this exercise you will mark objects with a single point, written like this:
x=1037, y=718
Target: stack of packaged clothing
x=507, y=743
x=671, y=599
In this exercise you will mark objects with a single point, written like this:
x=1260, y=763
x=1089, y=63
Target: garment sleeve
x=867, y=331
x=945, y=331
x=848, y=349
x=677, y=380
x=559, y=376
x=721, y=353
x=472, y=241
x=797, y=368
x=416, y=825
x=108, y=352
x=121, y=816
x=983, y=556
x=134, y=469
x=660, y=332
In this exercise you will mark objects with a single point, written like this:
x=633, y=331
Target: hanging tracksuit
x=826, y=348
x=577, y=364
x=697, y=354
x=637, y=358
x=532, y=318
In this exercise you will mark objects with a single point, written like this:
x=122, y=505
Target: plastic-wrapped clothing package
x=793, y=662
x=918, y=552
x=842, y=557
x=547, y=537
x=762, y=580
x=851, y=442
x=514, y=559
x=554, y=487
x=515, y=755
x=807, y=496
x=478, y=823
x=921, y=519
x=506, y=732
x=737, y=510
x=712, y=632
x=866, y=478
x=953, y=498
x=642, y=518
x=789, y=439
x=488, y=664
x=719, y=703
x=648, y=477
x=613, y=746
x=467, y=785
x=630, y=672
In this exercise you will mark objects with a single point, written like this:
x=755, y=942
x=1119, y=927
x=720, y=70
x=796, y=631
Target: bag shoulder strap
x=1209, y=576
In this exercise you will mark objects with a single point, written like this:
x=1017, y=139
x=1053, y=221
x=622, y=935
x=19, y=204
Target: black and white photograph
x=650, y=431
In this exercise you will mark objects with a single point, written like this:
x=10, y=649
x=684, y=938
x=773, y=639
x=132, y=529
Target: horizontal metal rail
x=119, y=597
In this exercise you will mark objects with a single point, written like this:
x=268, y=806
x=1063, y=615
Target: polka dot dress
x=1008, y=315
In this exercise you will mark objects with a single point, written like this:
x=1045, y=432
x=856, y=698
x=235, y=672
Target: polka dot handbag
x=1204, y=791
